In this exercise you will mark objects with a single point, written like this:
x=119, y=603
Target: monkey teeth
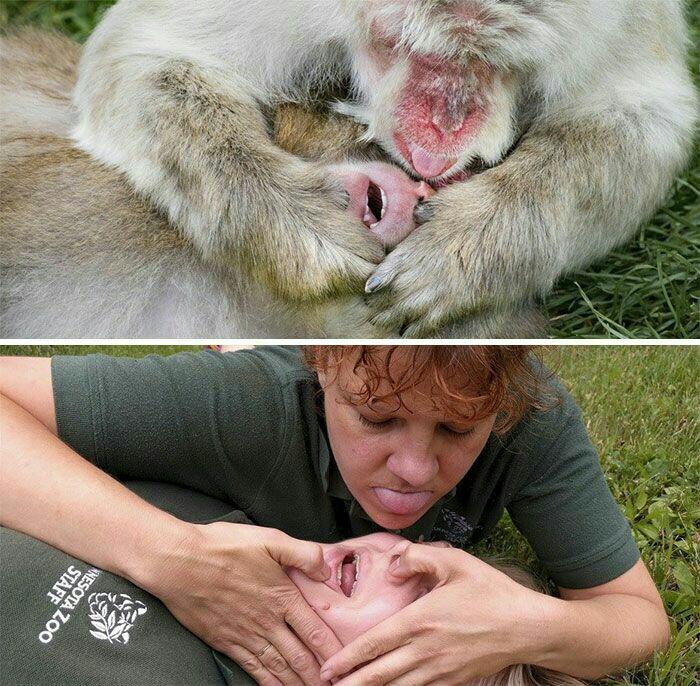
x=375, y=207
x=369, y=215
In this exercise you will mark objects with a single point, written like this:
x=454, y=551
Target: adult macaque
x=583, y=110
x=83, y=256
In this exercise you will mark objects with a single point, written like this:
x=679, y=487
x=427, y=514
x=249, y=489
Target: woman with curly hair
x=432, y=442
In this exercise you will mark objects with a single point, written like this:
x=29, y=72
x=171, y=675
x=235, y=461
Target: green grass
x=77, y=18
x=642, y=413
x=641, y=409
x=650, y=288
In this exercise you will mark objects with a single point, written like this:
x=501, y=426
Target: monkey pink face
x=432, y=96
x=383, y=197
x=358, y=594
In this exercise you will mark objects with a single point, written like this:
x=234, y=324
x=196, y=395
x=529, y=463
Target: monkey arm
x=573, y=189
x=194, y=142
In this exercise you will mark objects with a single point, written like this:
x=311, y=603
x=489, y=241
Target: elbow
x=664, y=639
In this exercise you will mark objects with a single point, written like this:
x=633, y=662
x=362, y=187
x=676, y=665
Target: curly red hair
x=467, y=383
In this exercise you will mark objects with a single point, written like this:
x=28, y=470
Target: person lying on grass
x=81, y=625
x=338, y=441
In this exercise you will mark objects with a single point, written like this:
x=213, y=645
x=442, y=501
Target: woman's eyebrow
x=383, y=407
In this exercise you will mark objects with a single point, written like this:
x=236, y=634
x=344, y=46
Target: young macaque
x=85, y=257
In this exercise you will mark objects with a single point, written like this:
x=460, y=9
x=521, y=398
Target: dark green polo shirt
x=243, y=427
x=64, y=622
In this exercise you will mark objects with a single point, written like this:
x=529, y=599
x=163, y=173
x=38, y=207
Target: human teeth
x=357, y=574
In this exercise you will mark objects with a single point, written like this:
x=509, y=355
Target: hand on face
x=233, y=593
x=359, y=594
x=472, y=623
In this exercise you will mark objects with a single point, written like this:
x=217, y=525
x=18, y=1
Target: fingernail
x=373, y=284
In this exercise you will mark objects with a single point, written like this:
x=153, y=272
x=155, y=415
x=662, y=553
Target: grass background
x=650, y=288
x=641, y=409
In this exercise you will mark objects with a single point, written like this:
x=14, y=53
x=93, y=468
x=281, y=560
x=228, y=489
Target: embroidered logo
x=112, y=615
x=453, y=528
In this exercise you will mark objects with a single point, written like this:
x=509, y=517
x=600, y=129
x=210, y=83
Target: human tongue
x=402, y=503
x=347, y=576
x=428, y=165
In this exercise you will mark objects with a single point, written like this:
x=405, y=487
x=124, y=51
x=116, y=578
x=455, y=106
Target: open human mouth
x=400, y=502
x=347, y=574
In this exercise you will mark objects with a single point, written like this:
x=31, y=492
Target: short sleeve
x=212, y=422
x=565, y=509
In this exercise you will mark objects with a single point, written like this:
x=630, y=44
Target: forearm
x=598, y=636
x=585, y=185
x=51, y=493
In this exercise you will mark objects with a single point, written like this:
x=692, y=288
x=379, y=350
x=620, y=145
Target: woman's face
x=358, y=594
x=398, y=462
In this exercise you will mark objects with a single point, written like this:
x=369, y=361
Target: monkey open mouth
x=375, y=206
x=383, y=197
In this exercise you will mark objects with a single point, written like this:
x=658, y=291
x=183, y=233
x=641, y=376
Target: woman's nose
x=415, y=464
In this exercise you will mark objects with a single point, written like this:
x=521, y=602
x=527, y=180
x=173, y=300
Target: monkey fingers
x=419, y=289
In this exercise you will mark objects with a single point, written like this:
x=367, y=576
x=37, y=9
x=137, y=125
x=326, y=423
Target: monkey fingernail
x=374, y=284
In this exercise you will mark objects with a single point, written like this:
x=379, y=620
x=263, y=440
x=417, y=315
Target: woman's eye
x=375, y=423
x=460, y=433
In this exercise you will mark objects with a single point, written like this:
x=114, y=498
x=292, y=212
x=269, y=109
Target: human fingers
x=311, y=629
x=251, y=664
x=304, y=555
x=422, y=676
x=297, y=657
x=277, y=665
x=383, y=670
x=381, y=639
x=420, y=559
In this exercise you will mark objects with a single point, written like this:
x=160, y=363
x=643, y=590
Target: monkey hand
x=473, y=259
x=306, y=247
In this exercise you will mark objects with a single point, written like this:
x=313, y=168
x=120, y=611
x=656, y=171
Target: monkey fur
x=83, y=256
x=576, y=115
